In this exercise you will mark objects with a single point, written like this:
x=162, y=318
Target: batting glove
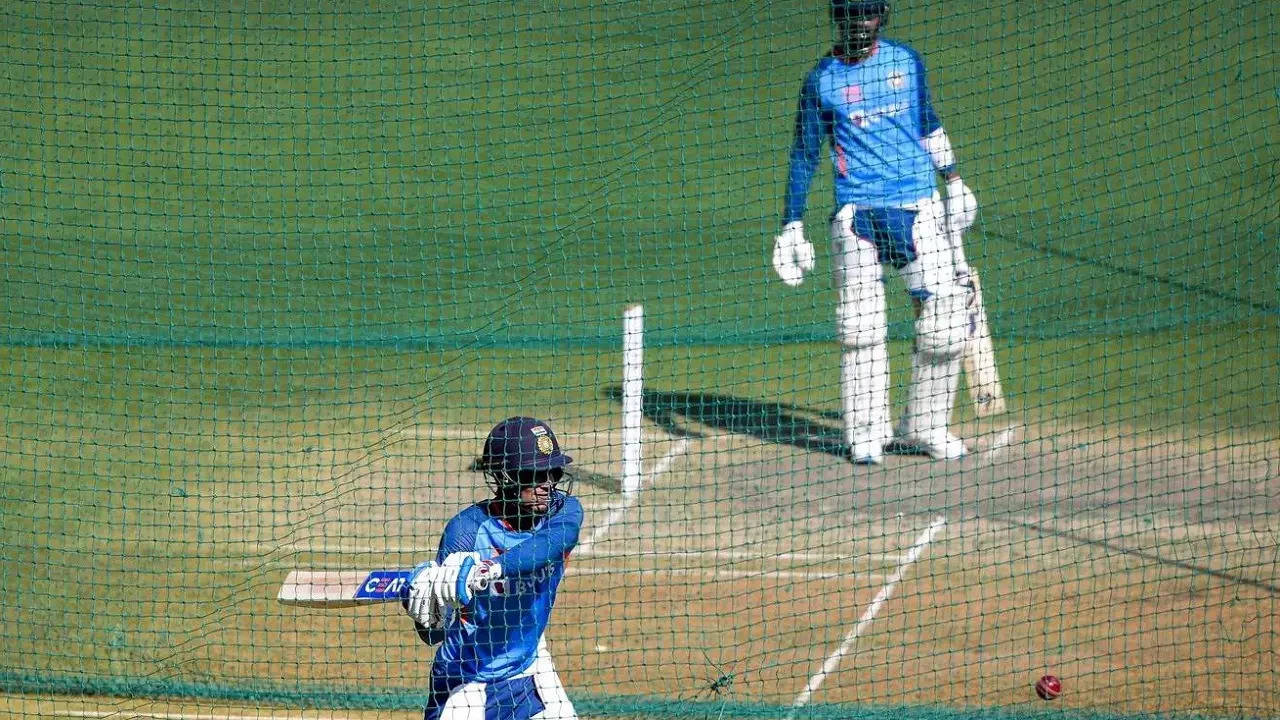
x=422, y=604
x=483, y=575
x=792, y=254
x=452, y=583
x=962, y=205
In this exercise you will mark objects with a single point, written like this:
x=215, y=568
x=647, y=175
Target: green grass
x=472, y=174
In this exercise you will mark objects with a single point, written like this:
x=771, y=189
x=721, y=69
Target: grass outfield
x=469, y=174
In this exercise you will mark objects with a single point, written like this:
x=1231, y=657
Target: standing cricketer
x=869, y=97
x=487, y=596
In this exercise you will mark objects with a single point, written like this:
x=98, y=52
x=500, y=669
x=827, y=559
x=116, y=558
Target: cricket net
x=271, y=271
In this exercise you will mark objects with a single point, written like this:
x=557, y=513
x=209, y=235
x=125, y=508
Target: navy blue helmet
x=522, y=452
x=522, y=443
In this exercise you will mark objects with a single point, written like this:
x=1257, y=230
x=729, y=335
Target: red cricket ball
x=1048, y=687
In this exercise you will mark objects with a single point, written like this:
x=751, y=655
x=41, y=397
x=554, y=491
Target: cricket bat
x=980, y=358
x=979, y=355
x=342, y=588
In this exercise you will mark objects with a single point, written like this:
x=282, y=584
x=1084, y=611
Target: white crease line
x=714, y=572
x=807, y=573
x=455, y=433
x=612, y=437
x=833, y=661
x=712, y=555
x=715, y=555
x=151, y=715
x=629, y=499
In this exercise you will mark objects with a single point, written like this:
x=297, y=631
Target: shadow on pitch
x=1046, y=531
x=679, y=412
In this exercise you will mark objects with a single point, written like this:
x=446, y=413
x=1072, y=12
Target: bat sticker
x=383, y=585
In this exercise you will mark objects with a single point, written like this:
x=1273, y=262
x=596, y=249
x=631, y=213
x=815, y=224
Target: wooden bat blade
x=342, y=588
x=980, y=359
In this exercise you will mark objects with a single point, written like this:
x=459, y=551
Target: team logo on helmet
x=543, y=441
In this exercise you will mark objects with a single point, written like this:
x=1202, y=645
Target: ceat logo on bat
x=383, y=583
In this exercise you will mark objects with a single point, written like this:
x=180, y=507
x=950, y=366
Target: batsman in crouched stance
x=487, y=596
x=869, y=97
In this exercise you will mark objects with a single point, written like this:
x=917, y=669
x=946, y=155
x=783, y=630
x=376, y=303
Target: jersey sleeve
x=557, y=535
x=811, y=126
x=928, y=119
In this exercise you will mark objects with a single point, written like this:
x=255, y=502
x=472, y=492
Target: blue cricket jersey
x=875, y=112
x=496, y=636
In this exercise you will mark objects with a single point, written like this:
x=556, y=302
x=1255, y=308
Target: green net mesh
x=271, y=271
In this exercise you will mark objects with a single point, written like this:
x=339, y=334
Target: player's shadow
x=678, y=413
